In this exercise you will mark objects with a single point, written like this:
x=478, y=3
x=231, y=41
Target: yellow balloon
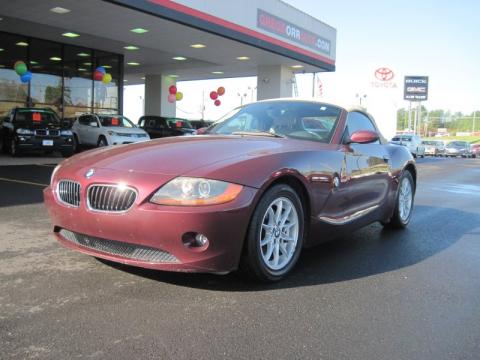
x=179, y=96
x=106, y=78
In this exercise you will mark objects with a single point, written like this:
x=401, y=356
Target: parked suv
x=29, y=129
x=412, y=142
x=458, y=148
x=104, y=130
x=159, y=126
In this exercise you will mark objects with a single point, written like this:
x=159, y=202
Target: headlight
x=24, y=131
x=66, y=133
x=53, y=173
x=186, y=191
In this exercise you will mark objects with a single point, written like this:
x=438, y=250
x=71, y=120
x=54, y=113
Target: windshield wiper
x=258, y=133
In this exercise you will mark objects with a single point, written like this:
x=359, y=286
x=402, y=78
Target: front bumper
x=119, y=140
x=30, y=142
x=158, y=229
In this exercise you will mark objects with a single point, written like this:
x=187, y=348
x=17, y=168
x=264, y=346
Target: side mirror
x=363, y=137
x=202, y=131
x=93, y=124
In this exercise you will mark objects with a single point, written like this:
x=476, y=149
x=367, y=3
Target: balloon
x=172, y=90
x=20, y=68
x=98, y=75
x=179, y=96
x=101, y=69
x=221, y=91
x=217, y=102
x=26, y=77
x=106, y=78
x=171, y=98
x=213, y=95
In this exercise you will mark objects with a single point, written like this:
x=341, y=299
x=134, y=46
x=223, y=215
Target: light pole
x=364, y=96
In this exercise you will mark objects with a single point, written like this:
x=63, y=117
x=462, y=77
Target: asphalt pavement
x=375, y=294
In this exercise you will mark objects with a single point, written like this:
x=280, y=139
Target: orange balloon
x=221, y=90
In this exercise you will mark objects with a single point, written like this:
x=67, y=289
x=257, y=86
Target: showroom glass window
x=46, y=86
x=78, y=86
x=106, y=95
x=12, y=91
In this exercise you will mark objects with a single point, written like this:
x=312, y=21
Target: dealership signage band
x=416, y=88
x=290, y=31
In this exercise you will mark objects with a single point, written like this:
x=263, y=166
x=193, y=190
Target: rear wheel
x=403, y=203
x=275, y=235
x=3, y=144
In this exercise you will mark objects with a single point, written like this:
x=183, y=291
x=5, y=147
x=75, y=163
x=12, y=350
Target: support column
x=274, y=82
x=156, y=95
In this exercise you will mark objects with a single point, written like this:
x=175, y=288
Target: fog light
x=195, y=241
x=201, y=240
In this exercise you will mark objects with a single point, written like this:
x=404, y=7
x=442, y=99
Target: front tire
x=14, y=150
x=102, y=142
x=275, y=235
x=403, y=202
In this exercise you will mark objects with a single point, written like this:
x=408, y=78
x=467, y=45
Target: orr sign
x=416, y=88
x=284, y=28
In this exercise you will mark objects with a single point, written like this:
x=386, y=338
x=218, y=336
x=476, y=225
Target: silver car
x=458, y=148
x=434, y=147
x=412, y=142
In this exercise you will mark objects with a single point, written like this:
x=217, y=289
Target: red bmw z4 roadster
x=268, y=180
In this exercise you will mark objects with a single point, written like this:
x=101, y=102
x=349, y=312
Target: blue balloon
x=26, y=77
x=101, y=69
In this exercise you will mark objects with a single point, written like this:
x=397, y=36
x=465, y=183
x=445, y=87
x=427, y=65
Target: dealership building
x=152, y=42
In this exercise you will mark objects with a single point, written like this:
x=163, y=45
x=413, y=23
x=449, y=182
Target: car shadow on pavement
x=366, y=252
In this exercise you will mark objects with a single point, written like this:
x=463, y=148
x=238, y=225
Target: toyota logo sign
x=384, y=74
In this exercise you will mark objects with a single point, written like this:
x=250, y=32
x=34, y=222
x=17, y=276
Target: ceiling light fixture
x=81, y=69
x=297, y=66
x=179, y=58
x=2, y=49
x=133, y=63
x=106, y=66
x=21, y=43
x=59, y=10
x=243, y=58
x=198, y=46
x=217, y=72
x=130, y=47
x=82, y=54
x=56, y=58
x=70, y=35
x=143, y=78
x=33, y=62
x=139, y=31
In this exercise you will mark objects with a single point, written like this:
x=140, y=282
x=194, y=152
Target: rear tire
x=3, y=145
x=275, y=235
x=403, y=202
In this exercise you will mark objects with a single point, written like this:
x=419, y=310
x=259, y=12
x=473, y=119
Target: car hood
x=179, y=155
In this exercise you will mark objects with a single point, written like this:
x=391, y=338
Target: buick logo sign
x=384, y=74
x=89, y=173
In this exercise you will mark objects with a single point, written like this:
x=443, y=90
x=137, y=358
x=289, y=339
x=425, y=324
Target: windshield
x=457, y=144
x=299, y=120
x=28, y=117
x=402, y=138
x=179, y=123
x=115, y=121
x=430, y=143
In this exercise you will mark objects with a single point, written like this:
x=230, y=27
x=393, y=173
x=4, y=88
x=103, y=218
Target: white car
x=104, y=130
x=412, y=142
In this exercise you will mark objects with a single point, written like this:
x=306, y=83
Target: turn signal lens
x=186, y=191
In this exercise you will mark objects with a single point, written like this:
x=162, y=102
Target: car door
x=80, y=128
x=367, y=166
x=93, y=132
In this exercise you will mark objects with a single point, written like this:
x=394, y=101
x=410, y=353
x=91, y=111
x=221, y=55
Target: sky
x=439, y=39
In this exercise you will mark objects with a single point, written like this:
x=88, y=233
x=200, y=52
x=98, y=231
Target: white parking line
x=23, y=182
